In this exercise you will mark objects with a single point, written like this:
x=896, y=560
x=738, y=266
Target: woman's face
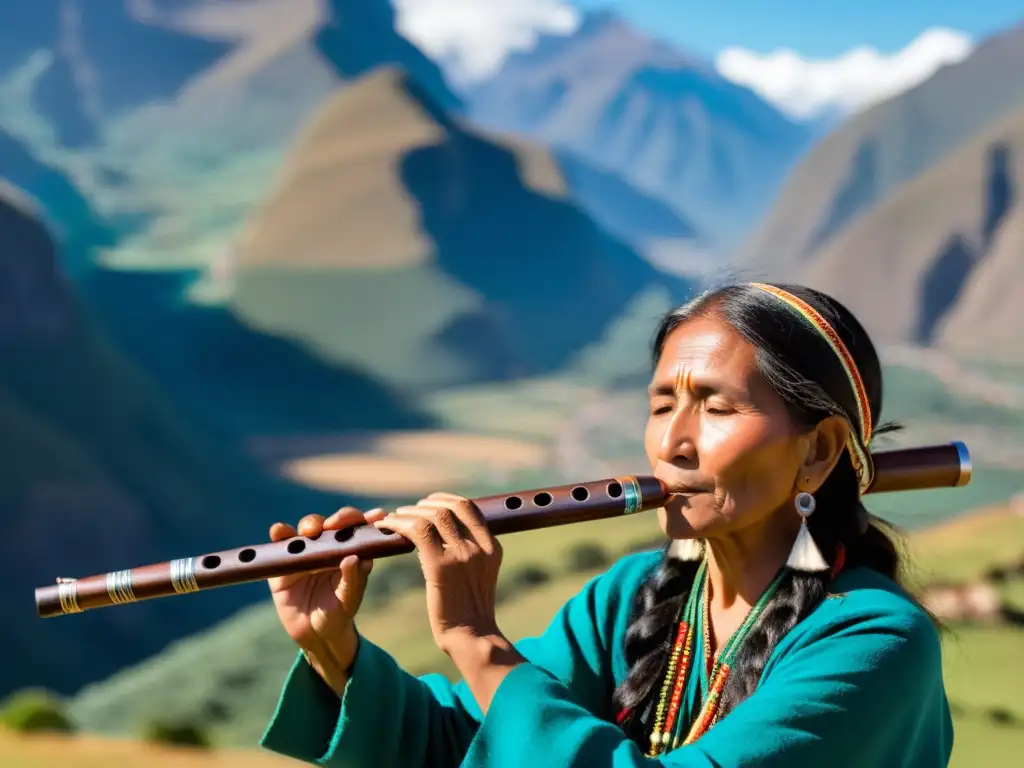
x=718, y=435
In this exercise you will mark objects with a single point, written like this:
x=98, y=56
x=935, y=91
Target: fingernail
x=374, y=511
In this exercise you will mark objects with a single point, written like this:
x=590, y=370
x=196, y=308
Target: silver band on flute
x=119, y=587
x=183, y=575
x=67, y=592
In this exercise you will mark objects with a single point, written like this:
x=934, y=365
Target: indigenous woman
x=770, y=631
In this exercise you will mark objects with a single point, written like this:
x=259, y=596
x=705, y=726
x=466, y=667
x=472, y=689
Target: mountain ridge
x=872, y=153
x=482, y=246
x=667, y=122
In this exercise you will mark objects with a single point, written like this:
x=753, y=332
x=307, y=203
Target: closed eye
x=717, y=409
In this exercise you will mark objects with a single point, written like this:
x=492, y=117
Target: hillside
x=112, y=57
x=175, y=129
x=97, y=472
x=184, y=148
x=949, y=245
x=457, y=247
x=664, y=121
x=71, y=215
x=96, y=48
x=234, y=379
x=871, y=154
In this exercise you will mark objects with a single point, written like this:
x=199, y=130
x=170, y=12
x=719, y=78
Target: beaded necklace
x=668, y=726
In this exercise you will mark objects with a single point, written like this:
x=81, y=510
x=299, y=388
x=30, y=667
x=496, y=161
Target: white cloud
x=471, y=38
x=805, y=88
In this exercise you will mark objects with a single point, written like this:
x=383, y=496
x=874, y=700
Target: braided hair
x=806, y=374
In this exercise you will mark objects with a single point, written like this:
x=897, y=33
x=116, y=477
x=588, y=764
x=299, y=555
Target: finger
x=472, y=524
x=343, y=518
x=416, y=528
x=352, y=585
x=281, y=531
x=311, y=526
x=444, y=520
x=375, y=514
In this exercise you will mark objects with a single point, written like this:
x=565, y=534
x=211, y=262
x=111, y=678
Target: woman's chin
x=681, y=524
x=686, y=522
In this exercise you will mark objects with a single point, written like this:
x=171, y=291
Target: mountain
x=99, y=472
x=108, y=58
x=641, y=219
x=104, y=60
x=183, y=145
x=665, y=122
x=874, y=152
x=237, y=381
x=426, y=253
x=69, y=213
x=948, y=245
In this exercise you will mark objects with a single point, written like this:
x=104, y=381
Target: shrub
x=177, y=733
x=1001, y=716
x=398, y=576
x=587, y=557
x=34, y=710
x=523, y=578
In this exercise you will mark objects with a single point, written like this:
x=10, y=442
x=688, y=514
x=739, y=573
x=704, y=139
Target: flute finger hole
x=513, y=502
x=295, y=546
x=542, y=499
x=614, y=490
x=247, y=555
x=211, y=561
x=343, y=535
x=579, y=493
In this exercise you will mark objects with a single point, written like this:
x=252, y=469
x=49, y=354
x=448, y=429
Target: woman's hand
x=318, y=610
x=460, y=560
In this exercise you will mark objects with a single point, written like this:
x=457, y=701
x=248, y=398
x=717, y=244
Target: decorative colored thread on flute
x=632, y=494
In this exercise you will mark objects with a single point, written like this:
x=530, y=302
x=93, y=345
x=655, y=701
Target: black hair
x=806, y=373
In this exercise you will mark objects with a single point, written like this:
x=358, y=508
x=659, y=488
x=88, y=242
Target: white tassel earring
x=805, y=555
x=687, y=550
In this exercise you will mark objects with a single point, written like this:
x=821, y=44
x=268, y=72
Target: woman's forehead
x=705, y=347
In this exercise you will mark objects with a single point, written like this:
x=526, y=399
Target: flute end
x=966, y=467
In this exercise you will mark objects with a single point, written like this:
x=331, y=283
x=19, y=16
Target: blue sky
x=807, y=57
x=814, y=28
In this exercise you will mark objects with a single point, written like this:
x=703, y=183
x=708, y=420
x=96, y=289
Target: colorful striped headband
x=860, y=436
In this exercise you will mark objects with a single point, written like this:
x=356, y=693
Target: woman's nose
x=678, y=442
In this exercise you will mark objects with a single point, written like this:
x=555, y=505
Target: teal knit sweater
x=858, y=683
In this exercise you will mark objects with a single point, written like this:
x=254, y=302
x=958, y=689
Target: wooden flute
x=935, y=466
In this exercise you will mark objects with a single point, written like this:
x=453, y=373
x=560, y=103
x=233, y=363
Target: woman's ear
x=825, y=444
